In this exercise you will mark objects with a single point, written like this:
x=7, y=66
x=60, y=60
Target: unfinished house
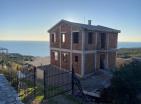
x=87, y=47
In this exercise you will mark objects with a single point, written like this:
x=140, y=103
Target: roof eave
x=55, y=25
x=114, y=31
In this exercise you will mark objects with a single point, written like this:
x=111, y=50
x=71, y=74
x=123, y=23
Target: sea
x=42, y=48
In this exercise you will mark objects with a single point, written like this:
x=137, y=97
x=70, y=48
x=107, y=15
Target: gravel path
x=8, y=95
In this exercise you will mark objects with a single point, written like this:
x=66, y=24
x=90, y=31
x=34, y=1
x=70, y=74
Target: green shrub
x=126, y=85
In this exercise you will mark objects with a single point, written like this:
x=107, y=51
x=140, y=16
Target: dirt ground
x=121, y=61
x=38, y=61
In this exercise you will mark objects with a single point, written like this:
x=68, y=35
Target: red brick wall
x=56, y=44
x=65, y=63
x=113, y=40
x=112, y=59
x=90, y=46
x=78, y=46
x=89, y=63
x=65, y=28
x=53, y=61
x=76, y=65
x=89, y=58
x=97, y=61
x=98, y=41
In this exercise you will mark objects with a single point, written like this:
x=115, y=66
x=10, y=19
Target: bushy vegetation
x=129, y=52
x=126, y=85
x=19, y=58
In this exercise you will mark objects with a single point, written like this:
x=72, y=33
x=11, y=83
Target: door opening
x=102, y=61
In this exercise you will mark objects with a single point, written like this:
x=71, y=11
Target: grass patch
x=25, y=92
x=39, y=98
x=129, y=52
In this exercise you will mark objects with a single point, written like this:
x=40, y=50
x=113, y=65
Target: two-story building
x=87, y=47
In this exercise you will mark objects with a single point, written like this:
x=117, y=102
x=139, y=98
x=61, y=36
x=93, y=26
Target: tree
x=125, y=85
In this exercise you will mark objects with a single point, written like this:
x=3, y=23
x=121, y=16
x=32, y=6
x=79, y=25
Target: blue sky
x=30, y=19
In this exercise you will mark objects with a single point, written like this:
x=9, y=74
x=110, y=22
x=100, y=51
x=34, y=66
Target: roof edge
x=62, y=20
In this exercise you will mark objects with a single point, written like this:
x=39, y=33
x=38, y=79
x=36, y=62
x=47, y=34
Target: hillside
x=129, y=52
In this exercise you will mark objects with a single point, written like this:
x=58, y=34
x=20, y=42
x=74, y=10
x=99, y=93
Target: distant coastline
x=129, y=44
x=32, y=48
x=42, y=49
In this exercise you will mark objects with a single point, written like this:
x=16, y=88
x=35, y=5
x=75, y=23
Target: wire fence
x=53, y=82
x=23, y=79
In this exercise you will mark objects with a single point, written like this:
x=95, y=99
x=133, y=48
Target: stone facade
x=86, y=50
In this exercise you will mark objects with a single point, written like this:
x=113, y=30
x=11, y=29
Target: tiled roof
x=89, y=27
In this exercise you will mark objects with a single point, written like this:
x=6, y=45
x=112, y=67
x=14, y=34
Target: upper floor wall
x=60, y=37
x=63, y=35
x=90, y=40
x=113, y=40
x=95, y=40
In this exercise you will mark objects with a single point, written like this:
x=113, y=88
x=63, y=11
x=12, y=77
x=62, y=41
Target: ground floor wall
x=97, y=61
x=76, y=62
x=89, y=63
x=106, y=60
x=112, y=60
x=55, y=57
x=101, y=60
x=92, y=61
x=64, y=60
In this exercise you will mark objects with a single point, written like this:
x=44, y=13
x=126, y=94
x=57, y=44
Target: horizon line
x=27, y=40
x=49, y=41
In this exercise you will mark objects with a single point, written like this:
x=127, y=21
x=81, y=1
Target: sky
x=30, y=19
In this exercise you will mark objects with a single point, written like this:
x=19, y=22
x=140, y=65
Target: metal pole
x=34, y=81
x=45, y=96
x=72, y=79
x=17, y=78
